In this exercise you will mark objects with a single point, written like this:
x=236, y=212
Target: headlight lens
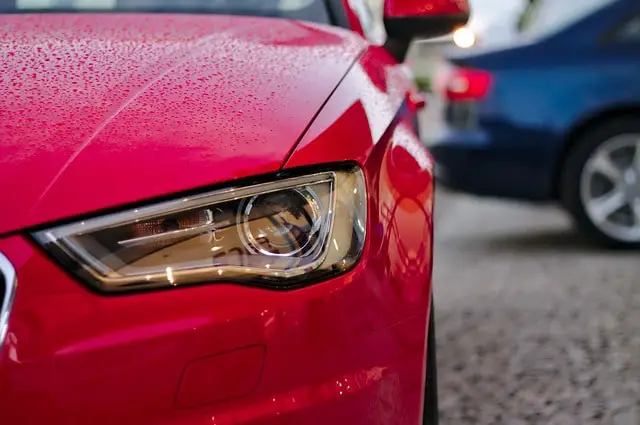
x=278, y=234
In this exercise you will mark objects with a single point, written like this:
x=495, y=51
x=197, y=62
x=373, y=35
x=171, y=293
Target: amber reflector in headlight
x=278, y=234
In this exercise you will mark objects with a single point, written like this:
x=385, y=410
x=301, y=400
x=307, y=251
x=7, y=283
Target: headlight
x=277, y=234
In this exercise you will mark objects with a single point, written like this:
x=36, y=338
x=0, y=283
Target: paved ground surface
x=534, y=326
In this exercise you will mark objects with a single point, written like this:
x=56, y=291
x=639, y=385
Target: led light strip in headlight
x=277, y=234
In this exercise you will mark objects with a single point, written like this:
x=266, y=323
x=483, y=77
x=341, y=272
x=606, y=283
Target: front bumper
x=349, y=350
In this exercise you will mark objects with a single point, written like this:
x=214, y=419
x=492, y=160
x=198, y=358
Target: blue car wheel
x=601, y=183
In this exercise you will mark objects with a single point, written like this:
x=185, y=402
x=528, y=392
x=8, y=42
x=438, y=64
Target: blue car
x=552, y=114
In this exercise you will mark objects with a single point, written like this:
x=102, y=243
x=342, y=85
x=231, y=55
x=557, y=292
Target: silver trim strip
x=10, y=283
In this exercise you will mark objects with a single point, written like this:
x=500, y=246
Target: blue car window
x=309, y=10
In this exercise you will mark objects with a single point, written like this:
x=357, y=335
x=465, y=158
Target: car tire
x=575, y=193
x=431, y=413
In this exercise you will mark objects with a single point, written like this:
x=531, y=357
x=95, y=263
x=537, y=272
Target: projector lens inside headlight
x=278, y=234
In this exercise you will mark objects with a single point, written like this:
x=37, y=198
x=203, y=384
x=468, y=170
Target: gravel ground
x=534, y=326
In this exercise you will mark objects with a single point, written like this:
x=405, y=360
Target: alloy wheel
x=610, y=188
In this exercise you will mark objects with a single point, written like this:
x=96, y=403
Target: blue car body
x=546, y=90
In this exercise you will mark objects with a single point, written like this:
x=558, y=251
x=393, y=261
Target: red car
x=214, y=219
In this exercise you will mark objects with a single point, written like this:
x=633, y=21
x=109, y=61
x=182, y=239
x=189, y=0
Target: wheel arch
x=575, y=133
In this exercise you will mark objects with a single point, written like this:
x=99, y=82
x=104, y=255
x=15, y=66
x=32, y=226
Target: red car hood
x=98, y=111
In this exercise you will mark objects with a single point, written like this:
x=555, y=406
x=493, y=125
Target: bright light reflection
x=169, y=271
x=464, y=37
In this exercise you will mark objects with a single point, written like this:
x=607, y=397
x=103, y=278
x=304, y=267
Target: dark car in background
x=552, y=114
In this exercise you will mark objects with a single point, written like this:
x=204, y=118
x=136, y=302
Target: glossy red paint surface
x=406, y=8
x=350, y=350
x=102, y=110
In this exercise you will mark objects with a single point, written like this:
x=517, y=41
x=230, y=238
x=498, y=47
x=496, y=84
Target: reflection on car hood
x=98, y=111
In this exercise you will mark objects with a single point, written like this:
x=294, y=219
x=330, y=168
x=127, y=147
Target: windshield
x=309, y=10
x=546, y=17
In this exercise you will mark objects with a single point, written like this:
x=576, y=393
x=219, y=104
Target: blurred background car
x=552, y=115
